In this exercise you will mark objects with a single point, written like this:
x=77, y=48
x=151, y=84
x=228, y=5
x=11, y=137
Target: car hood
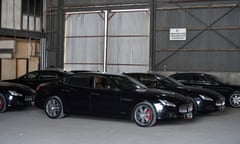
x=17, y=87
x=196, y=91
x=233, y=86
x=173, y=97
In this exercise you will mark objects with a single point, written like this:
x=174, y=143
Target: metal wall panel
x=212, y=44
x=11, y=14
x=101, y=2
x=84, y=41
x=128, y=47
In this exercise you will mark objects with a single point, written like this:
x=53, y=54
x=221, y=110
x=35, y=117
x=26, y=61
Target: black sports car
x=34, y=78
x=231, y=92
x=204, y=99
x=111, y=94
x=12, y=94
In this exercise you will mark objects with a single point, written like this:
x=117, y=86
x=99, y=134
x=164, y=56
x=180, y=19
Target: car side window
x=31, y=75
x=186, y=79
x=48, y=75
x=80, y=81
x=103, y=83
x=149, y=81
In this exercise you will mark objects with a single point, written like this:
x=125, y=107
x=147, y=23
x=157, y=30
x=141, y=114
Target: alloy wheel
x=53, y=108
x=235, y=100
x=144, y=114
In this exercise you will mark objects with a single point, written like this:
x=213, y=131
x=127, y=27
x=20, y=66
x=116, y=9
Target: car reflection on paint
x=230, y=91
x=15, y=95
x=205, y=100
x=34, y=78
x=111, y=94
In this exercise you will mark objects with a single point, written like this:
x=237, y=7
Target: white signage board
x=178, y=34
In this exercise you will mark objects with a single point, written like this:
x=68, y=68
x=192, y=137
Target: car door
x=76, y=93
x=108, y=99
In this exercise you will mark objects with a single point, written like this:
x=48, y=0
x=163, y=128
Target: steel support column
x=60, y=35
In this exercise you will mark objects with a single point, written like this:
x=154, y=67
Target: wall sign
x=178, y=34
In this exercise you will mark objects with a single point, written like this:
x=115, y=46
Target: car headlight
x=14, y=93
x=167, y=103
x=205, y=98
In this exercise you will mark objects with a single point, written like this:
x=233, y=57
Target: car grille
x=186, y=108
x=29, y=98
x=220, y=103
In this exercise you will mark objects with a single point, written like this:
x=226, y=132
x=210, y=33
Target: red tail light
x=38, y=88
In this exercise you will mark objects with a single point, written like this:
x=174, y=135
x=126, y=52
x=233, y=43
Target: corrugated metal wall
x=212, y=37
x=124, y=46
x=212, y=44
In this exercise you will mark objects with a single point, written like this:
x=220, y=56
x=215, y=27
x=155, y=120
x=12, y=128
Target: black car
x=205, y=100
x=111, y=94
x=34, y=78
x=12, y=95
x=231, y=92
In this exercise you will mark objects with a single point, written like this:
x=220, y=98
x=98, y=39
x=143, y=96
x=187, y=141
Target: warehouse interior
x=122, y=36
x=116, y=36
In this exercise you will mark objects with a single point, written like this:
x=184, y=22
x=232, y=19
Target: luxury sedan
x=12, y=94
x=205, y=100
x=231, y=92
x=111, y=94
x=34, y=78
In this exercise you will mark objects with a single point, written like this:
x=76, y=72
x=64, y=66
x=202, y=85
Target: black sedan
x=111, y=94
x=34, y=78
x=205, y=100
x=12, y=95
x=231, y=92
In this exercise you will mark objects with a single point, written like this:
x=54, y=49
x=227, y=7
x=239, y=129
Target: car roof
x=99, y=73
x=189, y=74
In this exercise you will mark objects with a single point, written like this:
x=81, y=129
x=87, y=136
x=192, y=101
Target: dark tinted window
x=49, y=75
x=31, y=75
x=149, y=81
x=103, y=83
x=80, y=81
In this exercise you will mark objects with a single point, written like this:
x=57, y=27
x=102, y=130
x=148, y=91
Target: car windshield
x=126, y=82
x=214, y=79
x=170, y=82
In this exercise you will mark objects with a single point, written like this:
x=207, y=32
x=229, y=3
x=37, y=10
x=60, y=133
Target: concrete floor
x=32, y=126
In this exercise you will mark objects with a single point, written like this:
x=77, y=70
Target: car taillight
x=38, y=88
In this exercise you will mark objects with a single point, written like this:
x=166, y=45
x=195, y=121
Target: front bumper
x=183, y=111
x=20, y=101
x=211, y=106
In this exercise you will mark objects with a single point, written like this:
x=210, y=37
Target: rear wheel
x=3, y=104
x=234, y=99
x=54, y=107
x=144, y=114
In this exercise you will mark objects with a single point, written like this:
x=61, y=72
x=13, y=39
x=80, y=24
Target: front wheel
x=234, y=99
x=3, y=104
x=144, y=114
x=54, y=107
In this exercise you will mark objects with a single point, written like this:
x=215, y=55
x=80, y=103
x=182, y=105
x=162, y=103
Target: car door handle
x=95, y=94
x=65, y=90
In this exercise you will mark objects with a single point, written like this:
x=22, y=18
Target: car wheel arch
x=3, y=103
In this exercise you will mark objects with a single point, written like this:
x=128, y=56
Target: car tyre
x=234, y=99
x=54, y=107
x=144, y=114
x=3, y=104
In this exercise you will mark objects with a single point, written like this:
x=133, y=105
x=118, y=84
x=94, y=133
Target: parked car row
x=143, y=97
